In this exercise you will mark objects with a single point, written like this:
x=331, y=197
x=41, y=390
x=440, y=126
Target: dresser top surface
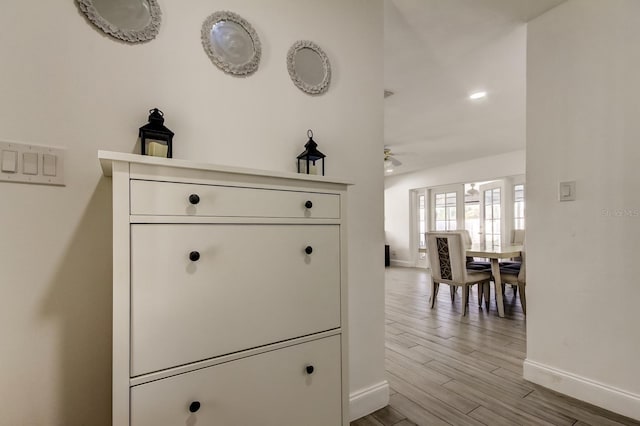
x=107, y=158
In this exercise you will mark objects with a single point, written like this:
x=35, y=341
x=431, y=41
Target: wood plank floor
x=444, y=370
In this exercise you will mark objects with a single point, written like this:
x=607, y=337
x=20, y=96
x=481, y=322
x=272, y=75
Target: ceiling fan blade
x=394, y=161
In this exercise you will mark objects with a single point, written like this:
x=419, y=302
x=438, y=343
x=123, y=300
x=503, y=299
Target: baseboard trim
x=403, y=263
x=584, y=389
x=367, y=400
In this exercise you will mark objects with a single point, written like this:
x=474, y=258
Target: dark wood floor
x=444, y=370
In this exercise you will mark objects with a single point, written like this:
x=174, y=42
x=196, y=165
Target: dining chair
x=448, y=266
x=518, y=278
x=517, y=238
x=472, y=263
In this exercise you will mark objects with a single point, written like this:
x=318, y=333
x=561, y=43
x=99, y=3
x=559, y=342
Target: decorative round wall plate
x=309, y=67
x=231, y=43
x=133, y=21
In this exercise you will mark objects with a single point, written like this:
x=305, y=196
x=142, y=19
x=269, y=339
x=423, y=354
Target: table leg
x=495, y=269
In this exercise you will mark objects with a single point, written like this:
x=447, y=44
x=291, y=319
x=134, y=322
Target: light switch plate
x=30, y=163
x=29, y=166
x=9, y=161
x=49, y=165
x=567, y=191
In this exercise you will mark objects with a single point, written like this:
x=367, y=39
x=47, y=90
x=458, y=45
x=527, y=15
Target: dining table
x=494, y=253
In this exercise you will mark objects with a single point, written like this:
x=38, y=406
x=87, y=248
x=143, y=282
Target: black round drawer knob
x=194, y=199
x=309, y=369
x=194, y=256
x=308, y=204
x=194, y=406
x=308, y=249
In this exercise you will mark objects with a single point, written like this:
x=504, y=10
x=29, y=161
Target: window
x=472, y=212
x=492, y=216
x=445, y=211
x=518, y=206
x=422, y=228
x=419, y=225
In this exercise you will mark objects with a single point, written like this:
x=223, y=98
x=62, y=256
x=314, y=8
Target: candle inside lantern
x=157, y=149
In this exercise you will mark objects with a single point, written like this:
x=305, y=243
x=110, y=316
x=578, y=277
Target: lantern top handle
x=310, y=133
x=156, y=116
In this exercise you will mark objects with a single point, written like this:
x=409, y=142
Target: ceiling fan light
x=472, y=191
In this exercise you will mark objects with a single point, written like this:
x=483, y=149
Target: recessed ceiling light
x=478, y=95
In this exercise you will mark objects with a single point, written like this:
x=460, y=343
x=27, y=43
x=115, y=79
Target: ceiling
x=438, y=52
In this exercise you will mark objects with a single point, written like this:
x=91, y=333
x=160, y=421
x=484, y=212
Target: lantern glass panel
x=156, y=148
x=311, y=167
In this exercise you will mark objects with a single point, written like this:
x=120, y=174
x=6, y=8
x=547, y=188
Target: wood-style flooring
x=444, y=370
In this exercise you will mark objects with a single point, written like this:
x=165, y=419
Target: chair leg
x=465, y=299
x=523, y=299
x=434, y=293
x=480, y=293
x=514, y=288
x=452, y=290
x=487, y=294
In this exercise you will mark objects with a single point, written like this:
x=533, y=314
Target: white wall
x=397, y=201
x=64, y=83
x=582, y=125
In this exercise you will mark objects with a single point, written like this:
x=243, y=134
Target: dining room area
x=489, y=247
x=456, y=323
x=489, y=215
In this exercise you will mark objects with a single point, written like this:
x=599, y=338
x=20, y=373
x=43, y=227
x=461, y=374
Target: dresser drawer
x=173, y=199
x=251, y=285
x=270, y=389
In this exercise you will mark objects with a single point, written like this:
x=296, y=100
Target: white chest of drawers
x=229, y=295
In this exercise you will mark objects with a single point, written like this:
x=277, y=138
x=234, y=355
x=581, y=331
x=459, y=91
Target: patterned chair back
x=447, y=256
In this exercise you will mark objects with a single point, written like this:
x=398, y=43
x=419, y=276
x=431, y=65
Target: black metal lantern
x=155, y=138
x=307, y=160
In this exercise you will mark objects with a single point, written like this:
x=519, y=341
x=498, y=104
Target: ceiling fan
x=472, y=195
x=389, y=161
